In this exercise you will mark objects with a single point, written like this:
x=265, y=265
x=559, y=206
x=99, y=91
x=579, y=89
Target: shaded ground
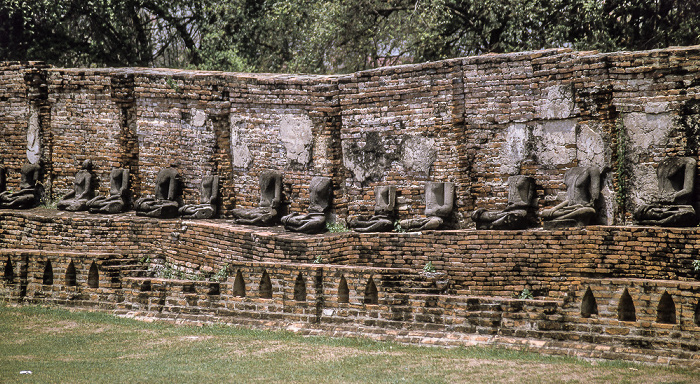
x=81, y=347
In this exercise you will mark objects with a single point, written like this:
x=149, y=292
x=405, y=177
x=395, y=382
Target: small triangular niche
x=588, y=304
x=239, y=285
x=300, y=288
x=666, y=311
x=265, y=290
x=343, y=291
x=9, y=271
x=625, y=309
x=71, y=275
x=371, y=294
x=48, y=273
x=93, y=276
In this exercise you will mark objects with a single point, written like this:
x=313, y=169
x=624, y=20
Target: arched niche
x=93, y=276
x=71, y=275
x=9, y=275
x=239, y=285
x=589, y=306
x=666, y=311
x=47, y=278
x=265, y=288
x=343, y=291
x=625, y=308
x=300, y=288
x=371, y=293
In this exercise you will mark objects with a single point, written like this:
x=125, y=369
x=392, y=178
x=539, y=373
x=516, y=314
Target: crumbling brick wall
x=472, y=121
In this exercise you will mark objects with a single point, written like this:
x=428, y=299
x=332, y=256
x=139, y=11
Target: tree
x=328, y=36
x=100, y=32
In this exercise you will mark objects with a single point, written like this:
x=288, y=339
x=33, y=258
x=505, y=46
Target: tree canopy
x=322, y=36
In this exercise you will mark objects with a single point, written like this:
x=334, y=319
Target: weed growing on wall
x=48, y=203
x=172, y=84
x=621, y=176
x=397, y=227
x=525, y=295
x=429, y=267
x=220, y=275
x=167, y=270
x=336, y=227
x=696, y=265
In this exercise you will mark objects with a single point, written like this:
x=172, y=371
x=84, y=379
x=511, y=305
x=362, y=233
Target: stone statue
x=582, y=190
x=519, y=212
x=676, y=177
x=167, y=199
x=118, y=199
x=382, y=221
x=315, y=220
x=209, y=198
x=270, y=198
x=439, y=200
x=83, y=190
x=30, y=189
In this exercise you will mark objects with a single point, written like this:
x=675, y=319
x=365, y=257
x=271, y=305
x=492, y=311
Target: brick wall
x=640, y=319
x=495, y=263
x=473, y=121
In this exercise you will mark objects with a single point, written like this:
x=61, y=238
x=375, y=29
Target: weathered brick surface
x=383, y=293
x=472, y=121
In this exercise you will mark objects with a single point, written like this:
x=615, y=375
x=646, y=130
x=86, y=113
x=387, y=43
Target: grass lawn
x=61, y=346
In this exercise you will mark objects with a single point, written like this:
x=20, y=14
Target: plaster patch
x=33, y=135
x=643, y=185
x=555, y=142
x=370, y=154
x=557, y=104
x=656, y=107
x=646, y=130
x=515, y=148
x=199, y=118
x=296, y=133
x=240, y=153
x=418, y=153
x=590, y=147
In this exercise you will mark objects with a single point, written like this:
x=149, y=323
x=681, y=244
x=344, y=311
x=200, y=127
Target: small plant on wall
x=525, y=295
x=621, y=176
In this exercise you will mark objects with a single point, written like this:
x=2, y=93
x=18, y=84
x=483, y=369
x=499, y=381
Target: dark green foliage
x=316, y=36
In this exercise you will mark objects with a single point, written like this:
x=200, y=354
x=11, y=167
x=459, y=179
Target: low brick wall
x=373, y=285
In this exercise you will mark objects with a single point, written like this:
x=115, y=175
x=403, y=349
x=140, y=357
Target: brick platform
x=355, y=291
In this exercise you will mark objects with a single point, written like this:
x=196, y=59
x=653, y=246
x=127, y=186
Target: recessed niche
x=588, y=304
x=93, y=276
x=300, y=288
x=666, y=311
x=371, y=294
x=625, y=309
x=343, y=291
x=697, y=314
x=188, y=287
x=265, y=289
x=71, y=275
x=47, y=279
x=239, y=285
x=9, y=275
x=214, y=289
x=145, y=286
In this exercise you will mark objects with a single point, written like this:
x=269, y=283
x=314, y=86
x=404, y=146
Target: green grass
x=61, y=346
